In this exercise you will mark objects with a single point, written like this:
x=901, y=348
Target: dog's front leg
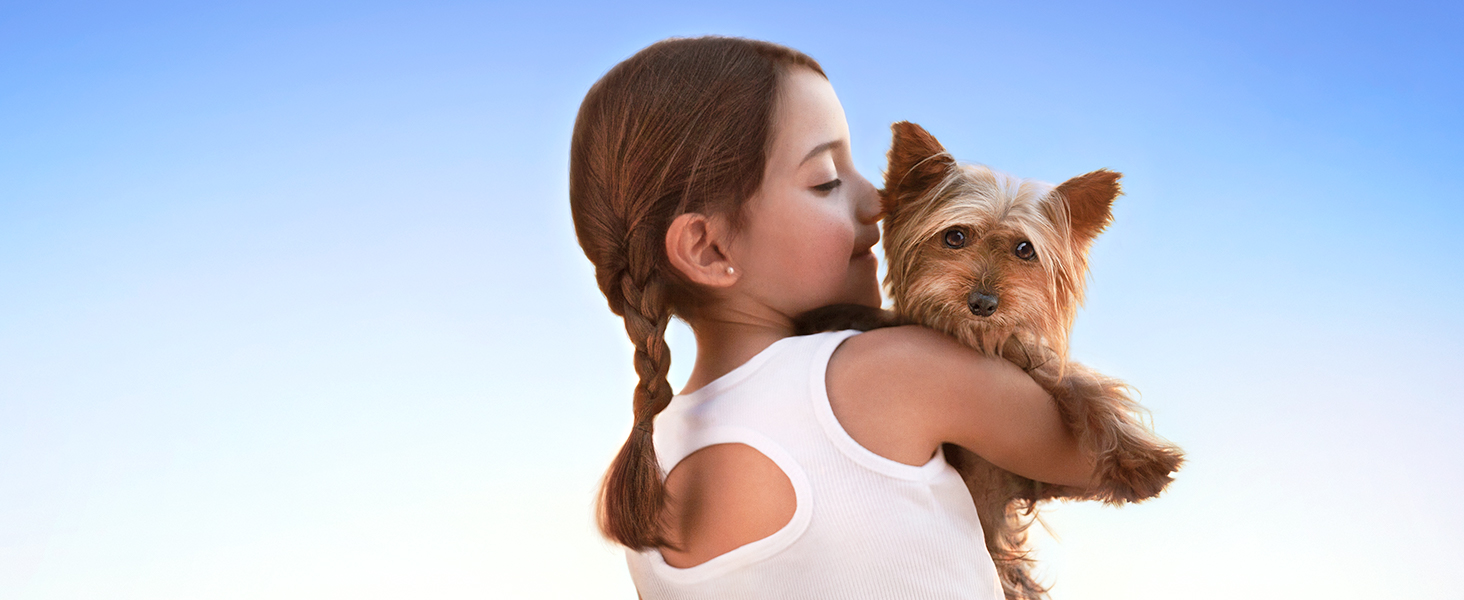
x=1133, y=463
x=836, y=317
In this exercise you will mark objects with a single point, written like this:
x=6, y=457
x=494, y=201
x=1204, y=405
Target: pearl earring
x=730, y=271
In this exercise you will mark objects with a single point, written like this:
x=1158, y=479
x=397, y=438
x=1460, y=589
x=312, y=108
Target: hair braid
x=630, y=512
x=646, y=319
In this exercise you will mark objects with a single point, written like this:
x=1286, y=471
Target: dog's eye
x=955, y=238
x=1025, y=251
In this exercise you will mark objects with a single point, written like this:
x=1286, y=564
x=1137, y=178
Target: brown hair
x=683, y=126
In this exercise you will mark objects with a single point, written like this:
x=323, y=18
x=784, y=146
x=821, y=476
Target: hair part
x=683, y=126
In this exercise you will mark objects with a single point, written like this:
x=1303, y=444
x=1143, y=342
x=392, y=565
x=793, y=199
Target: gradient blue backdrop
x=291, y=306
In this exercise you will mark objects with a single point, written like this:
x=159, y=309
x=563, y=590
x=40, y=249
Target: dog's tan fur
x=926, y=195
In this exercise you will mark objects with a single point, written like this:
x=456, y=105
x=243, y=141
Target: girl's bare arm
x=903, y=391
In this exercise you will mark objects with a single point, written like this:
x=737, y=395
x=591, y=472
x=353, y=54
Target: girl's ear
x=917, y=162
x=694, y=245
x=1090, y=203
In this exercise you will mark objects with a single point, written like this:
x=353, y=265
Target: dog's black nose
x=982, y=304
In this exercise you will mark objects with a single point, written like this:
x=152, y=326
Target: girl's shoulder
x=903, y=391
x=869, y=378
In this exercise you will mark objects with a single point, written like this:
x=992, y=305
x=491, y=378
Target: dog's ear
x=1090, y=202
x=917, y=162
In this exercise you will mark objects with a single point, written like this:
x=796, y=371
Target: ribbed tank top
x=865, y=526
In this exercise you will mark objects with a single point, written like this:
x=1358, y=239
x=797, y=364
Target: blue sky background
x=291, y=306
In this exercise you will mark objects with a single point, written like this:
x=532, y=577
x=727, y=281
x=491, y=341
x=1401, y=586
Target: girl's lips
x=868, y=253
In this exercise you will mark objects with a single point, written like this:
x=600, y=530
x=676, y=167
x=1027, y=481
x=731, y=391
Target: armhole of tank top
x=847, y=445
x=757, y=550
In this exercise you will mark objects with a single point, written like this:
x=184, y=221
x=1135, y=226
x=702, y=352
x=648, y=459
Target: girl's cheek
x=834, y=255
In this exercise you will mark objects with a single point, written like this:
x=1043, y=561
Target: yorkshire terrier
x=998, y=262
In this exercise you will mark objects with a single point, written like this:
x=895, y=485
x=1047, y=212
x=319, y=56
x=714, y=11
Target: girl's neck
x=723, y=344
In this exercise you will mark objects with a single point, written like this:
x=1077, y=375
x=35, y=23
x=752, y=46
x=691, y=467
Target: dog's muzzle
x=981, y=303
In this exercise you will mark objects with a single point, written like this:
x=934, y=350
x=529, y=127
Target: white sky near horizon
x=291, y=305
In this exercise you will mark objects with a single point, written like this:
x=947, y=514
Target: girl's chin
x=866, y=266
x=864, y=290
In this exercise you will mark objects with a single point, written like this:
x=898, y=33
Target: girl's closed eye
x=825, y=188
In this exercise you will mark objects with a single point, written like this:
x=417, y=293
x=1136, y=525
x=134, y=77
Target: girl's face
x=810, y=227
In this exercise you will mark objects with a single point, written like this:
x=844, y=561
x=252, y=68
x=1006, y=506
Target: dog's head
x=983, y=255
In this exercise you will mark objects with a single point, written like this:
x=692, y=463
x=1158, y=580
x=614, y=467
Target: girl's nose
x=869, y=209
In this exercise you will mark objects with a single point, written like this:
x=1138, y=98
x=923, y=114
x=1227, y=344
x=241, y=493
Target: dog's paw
x=1133, y=473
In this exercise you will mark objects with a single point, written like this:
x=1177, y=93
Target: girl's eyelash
x=828, y=187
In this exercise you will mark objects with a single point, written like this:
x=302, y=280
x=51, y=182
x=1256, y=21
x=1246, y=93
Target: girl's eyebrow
x=820, y=148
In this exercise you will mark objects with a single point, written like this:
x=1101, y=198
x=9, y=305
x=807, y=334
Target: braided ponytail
x=680, y=127
x=634, y=493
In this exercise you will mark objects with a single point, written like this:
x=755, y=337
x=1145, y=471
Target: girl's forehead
x=809, y=118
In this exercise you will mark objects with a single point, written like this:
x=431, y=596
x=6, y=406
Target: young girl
x=711, y=179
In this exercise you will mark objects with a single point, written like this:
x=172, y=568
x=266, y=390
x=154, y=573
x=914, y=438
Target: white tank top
x=865, y=526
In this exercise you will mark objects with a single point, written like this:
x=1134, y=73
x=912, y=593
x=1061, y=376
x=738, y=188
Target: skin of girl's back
x=800, y=240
